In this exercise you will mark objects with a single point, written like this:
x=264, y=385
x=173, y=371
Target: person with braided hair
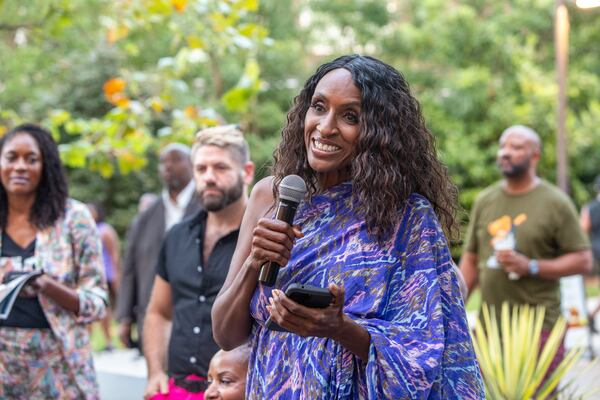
x=45, y=349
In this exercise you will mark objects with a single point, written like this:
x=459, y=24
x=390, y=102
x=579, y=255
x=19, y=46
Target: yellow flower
x=115, y=33
x=190, y=112
x=113, y=91
x=156, y=104
x=114, y=85
x=179, y=5
x=122, y=102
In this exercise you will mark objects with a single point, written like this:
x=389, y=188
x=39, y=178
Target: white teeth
x=324, y=147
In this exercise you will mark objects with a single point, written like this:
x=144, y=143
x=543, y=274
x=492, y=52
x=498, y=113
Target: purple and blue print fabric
x=403, y=291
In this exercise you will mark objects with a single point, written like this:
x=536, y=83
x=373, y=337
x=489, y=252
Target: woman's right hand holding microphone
x=272, y=240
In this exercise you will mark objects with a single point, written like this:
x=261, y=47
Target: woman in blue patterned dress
x=369, y=231
x=45, y=351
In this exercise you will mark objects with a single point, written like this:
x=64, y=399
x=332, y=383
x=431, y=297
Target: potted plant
x=508, y=349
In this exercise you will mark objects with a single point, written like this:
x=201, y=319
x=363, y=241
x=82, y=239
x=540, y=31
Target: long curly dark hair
x=395, y=152
x=52, y=192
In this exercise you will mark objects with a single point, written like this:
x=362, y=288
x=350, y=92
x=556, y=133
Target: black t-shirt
x=27, y=311
x=194, y=288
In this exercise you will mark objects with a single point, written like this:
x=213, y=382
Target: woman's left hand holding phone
x=306, y=321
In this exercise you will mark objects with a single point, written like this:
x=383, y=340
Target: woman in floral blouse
x=44, y=344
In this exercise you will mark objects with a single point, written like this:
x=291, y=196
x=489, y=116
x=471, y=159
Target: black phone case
x=308, y=296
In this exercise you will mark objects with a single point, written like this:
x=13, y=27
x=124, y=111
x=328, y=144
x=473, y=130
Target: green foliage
x=115, y=80
x=238, y=99
x=163, y=59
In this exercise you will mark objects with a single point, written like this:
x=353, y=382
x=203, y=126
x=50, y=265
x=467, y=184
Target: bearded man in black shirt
x=192, y=266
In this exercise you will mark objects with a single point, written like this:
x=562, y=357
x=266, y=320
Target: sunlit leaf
x=236, y=99
x=253, y=30
x=159, y=7
x=132, y=49
x=247, y=5
x=75, y=155
x=128, y=162
x=59, y=117
x=221, y=22
x=156, y=104
x=195, y=42
x=105, y=168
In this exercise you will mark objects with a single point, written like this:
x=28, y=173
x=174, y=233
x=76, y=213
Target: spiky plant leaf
x=513, y=368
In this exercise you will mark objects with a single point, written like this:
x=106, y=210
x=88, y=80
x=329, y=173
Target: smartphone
x=308, y=296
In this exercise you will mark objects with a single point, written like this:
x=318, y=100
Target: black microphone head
x=292, y=188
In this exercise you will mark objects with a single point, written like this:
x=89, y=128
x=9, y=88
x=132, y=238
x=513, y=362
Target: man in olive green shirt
x=524, y=233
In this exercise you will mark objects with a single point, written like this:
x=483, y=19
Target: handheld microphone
x=292, y=190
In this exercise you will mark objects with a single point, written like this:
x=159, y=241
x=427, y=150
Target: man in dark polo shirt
x=192, y=266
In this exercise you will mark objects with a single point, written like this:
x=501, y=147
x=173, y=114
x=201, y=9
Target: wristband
x=534, y=267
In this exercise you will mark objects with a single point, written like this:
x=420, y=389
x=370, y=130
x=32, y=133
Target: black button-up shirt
x=194, y=287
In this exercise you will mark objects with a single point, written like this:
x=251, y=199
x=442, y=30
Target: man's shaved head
x=519, y=152
x=178, y=147
x=175, y=166
x=525, y=132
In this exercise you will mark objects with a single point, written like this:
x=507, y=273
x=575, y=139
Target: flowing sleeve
x=420, y=343
x=87, y=257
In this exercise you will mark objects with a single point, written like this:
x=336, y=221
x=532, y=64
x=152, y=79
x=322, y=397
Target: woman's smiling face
x=21, y=165
x=331, y=126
